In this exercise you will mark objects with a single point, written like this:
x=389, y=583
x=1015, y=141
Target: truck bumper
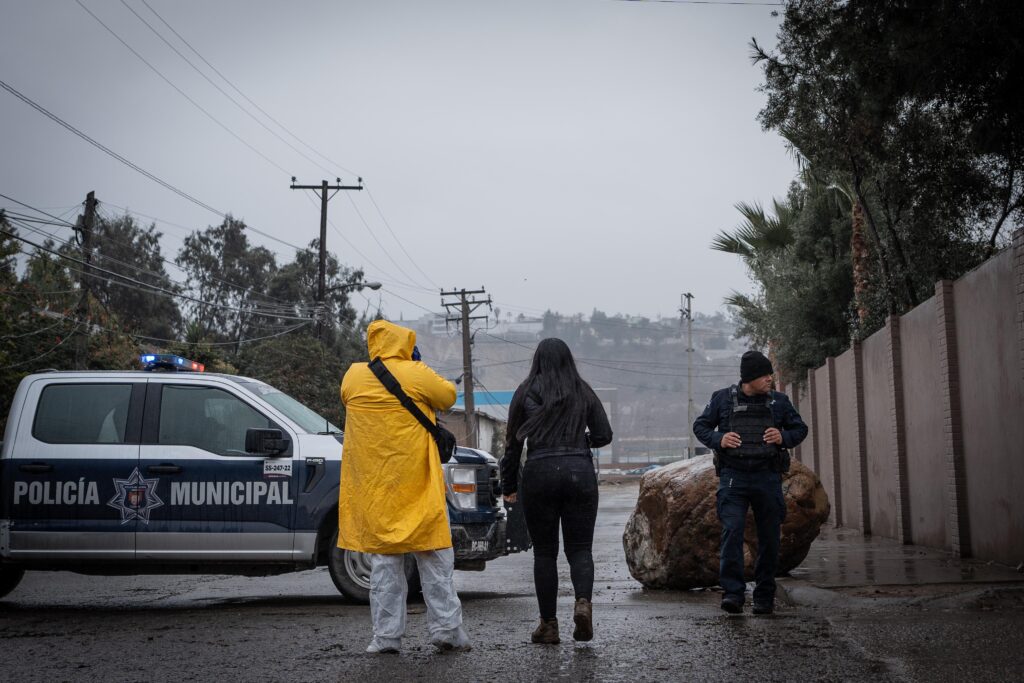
x=475, y=544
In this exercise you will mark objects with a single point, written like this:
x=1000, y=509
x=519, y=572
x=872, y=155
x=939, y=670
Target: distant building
x=521, y=328
x=487, y=426
x=493, y=405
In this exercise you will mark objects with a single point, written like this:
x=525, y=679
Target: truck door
x=75, y=487
x=221, y=504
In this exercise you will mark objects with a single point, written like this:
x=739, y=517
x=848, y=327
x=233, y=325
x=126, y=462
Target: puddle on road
x=844, y=558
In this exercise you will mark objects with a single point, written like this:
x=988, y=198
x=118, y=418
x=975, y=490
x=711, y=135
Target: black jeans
x=560, y=489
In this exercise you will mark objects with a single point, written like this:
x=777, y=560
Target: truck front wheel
x=10, y=577
x=350, y=571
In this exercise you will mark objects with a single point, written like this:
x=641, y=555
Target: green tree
x=124, y=246
x=297, y=283
x=40, y=322
x=864, y=91
x=802, y=307
x=223, y=268
x=302, y=367
x=907, y=121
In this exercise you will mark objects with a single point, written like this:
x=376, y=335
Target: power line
x=135, y=167
x=49, y=313
x=40, y=211
x=509, y=341
x=246, y=97
x=205, y=343
x=143, y=270
x=189, y=231
x=583, y=361
x=654, y=363
x=155, y=219
x=394, y=281
x=398, y=241
x=107, y=150
x=491, y=394
x=146, y=287
x=152, y=273
x=45, y=353
x=379, y=244
x=182, y=92
x=505, y=362
x=710, y=2
x=34, y=332
x=638, y=372
x=399, y=296
x=221, y=90
x=281, y=309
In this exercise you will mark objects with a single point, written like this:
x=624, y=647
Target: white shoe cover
x=384, y=646
x=454, y=640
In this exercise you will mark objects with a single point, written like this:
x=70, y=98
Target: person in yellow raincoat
x=392, y=498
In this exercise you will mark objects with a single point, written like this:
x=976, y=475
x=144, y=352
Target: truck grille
x=488, y=486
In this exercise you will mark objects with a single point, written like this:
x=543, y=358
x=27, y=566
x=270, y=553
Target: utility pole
x=83, y=234
x=466, y=304
x=321, y=285
x=686, y=310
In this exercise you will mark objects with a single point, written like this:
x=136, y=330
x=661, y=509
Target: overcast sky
x=569, y=154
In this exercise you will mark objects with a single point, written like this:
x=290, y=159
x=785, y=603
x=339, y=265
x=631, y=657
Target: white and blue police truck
x=171, y=470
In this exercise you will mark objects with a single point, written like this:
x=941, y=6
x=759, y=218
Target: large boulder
x=672, y=537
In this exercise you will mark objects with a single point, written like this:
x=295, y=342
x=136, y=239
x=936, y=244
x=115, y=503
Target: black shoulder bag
x=445, y=439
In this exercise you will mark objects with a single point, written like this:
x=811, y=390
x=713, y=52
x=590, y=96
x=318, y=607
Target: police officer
x=750, y=428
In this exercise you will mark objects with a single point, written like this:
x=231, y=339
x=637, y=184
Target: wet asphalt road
x=295, y=627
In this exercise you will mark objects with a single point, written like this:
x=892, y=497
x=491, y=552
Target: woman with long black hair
x=559, y=418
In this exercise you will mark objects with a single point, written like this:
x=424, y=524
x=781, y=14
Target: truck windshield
x=306, y=418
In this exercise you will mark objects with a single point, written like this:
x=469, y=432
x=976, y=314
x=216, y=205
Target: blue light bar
x=169, y=361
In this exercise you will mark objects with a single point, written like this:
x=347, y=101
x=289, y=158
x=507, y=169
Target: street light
x=354, y=285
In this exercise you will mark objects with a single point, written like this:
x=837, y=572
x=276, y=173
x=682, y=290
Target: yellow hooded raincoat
x=392, y=497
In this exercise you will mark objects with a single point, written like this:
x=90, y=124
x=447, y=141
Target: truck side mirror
x=270, y=442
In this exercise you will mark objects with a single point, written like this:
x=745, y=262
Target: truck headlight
x=461, y=485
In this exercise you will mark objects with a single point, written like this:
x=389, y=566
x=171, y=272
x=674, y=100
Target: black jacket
x=713, y=423
x=524, y=406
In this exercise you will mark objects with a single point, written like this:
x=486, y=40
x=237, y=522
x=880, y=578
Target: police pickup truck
x=190, y=472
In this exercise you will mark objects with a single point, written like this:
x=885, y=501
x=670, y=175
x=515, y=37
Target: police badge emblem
x=136, y=497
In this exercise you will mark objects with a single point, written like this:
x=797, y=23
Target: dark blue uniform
x=749, y=482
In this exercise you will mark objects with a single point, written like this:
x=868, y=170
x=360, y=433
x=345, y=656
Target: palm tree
x=755, y=240
x=759, y=234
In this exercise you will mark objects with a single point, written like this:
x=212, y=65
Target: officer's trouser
x=389, y=588
x=761, y=491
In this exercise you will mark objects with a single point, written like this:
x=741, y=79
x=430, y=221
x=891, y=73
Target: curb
x=800, y=593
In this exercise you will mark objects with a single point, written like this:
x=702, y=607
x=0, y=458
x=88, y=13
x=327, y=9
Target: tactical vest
x=750, y=420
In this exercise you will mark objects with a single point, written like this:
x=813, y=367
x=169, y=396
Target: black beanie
x=754, y=364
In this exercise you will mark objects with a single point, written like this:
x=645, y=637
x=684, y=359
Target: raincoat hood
x=389, y=340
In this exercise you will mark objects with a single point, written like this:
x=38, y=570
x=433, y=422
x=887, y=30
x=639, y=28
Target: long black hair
x=555, y=384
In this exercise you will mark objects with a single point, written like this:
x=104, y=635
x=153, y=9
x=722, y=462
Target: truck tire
x=350, y=572
x=10, y=577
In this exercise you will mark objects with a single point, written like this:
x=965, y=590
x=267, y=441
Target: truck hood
x=473, y=456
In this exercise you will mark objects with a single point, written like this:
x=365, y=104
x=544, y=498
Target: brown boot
x=546, y=632
x=583, y=616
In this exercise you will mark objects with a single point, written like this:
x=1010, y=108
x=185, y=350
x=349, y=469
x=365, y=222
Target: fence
x=917, y=432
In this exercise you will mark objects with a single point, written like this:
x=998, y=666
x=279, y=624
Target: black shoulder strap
x=378, y=368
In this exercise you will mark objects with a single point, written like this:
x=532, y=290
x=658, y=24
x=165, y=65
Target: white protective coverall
x=392, y=499
x=388, y=592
